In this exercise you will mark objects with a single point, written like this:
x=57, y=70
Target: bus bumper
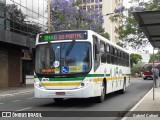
x=84, y=92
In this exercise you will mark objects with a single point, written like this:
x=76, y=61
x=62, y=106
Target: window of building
x=100, y=6
x=88, y=1
x=92, y=1
x=1, y=23
x=35, y=20
x=96, y=6
x=88, y=8
x=92, y=7
x=84, y=7
x=81, y=7
x=84, y=1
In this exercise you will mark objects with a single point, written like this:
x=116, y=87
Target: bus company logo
x=6, y=114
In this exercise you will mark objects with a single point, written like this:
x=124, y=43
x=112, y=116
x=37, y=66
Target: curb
x=124, y=118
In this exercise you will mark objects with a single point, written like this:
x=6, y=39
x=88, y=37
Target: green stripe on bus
x=97, y=75
x=65, y=79
x=75, y=78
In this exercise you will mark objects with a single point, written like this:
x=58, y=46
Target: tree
x=106, y=35
x=65, y=16
x=155, y=57
x=129, y=32
x=135, y=58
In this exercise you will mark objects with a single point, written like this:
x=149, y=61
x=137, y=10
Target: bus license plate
x=60, y=93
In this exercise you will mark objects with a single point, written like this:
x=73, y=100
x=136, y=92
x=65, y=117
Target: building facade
x=106, y=7
x=20, y=22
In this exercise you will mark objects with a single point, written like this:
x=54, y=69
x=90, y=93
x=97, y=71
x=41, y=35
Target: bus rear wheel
x=122, y=91
x=101, y=98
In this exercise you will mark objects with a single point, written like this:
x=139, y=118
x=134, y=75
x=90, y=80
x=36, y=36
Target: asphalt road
x=114, y=102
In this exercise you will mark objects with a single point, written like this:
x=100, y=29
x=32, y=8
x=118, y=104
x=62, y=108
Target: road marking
x=18, y=93
x=24, y=109
x=31, y=98
x=23, y=93
x=1, y=103
x=16, y=100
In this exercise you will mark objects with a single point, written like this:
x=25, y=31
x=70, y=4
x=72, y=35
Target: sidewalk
x=146, y=108
x=11, y=91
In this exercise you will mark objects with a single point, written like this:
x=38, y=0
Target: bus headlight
x=38, y=83
x=85, y=83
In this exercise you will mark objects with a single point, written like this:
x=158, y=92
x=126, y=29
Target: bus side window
x=112, y=54
x=108, y=53
x=96, y=52
x=115, y=56
x=103, y=56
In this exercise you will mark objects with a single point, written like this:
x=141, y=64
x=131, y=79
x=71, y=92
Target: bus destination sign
x=76, y=35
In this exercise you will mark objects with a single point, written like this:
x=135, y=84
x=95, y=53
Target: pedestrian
x=156, y=73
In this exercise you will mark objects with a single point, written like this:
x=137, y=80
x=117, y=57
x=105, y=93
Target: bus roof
x=155, y=63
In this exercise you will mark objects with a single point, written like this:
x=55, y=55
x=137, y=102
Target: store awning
x=149, y=22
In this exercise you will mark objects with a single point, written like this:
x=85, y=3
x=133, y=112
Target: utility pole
x=49, y=15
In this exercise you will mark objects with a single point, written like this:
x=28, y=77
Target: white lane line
x=23, y=93
x=24, y=109
x=1, y=103
x=16, y=100
x=31, y=98
x=18, y=93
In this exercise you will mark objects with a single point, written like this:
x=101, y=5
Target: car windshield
x=63, y=58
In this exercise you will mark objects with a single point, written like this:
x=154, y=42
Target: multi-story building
x=20, y=21
x=106, y=7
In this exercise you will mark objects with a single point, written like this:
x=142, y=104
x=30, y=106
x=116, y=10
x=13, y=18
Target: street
x=114, y=102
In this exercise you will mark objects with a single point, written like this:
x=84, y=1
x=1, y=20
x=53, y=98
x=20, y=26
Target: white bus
x=79, y=64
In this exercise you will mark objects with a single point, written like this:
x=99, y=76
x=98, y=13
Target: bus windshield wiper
x=68, y=51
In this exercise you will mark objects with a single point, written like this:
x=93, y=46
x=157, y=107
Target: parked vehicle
x=147, y=70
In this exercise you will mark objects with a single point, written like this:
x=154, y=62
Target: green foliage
x=155, y=57
x=129, y=32
x=135, y=58
x=106, y=35
x=136, y=69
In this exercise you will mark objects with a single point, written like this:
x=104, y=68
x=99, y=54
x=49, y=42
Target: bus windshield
x=147, y=67
x=63, y=58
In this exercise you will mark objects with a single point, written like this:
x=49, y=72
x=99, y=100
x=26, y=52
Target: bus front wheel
x=101, y=98
x=58, y=100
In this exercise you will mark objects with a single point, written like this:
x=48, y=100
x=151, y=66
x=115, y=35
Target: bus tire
x=58, y=100
x=122, y=91
x=101, y=98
